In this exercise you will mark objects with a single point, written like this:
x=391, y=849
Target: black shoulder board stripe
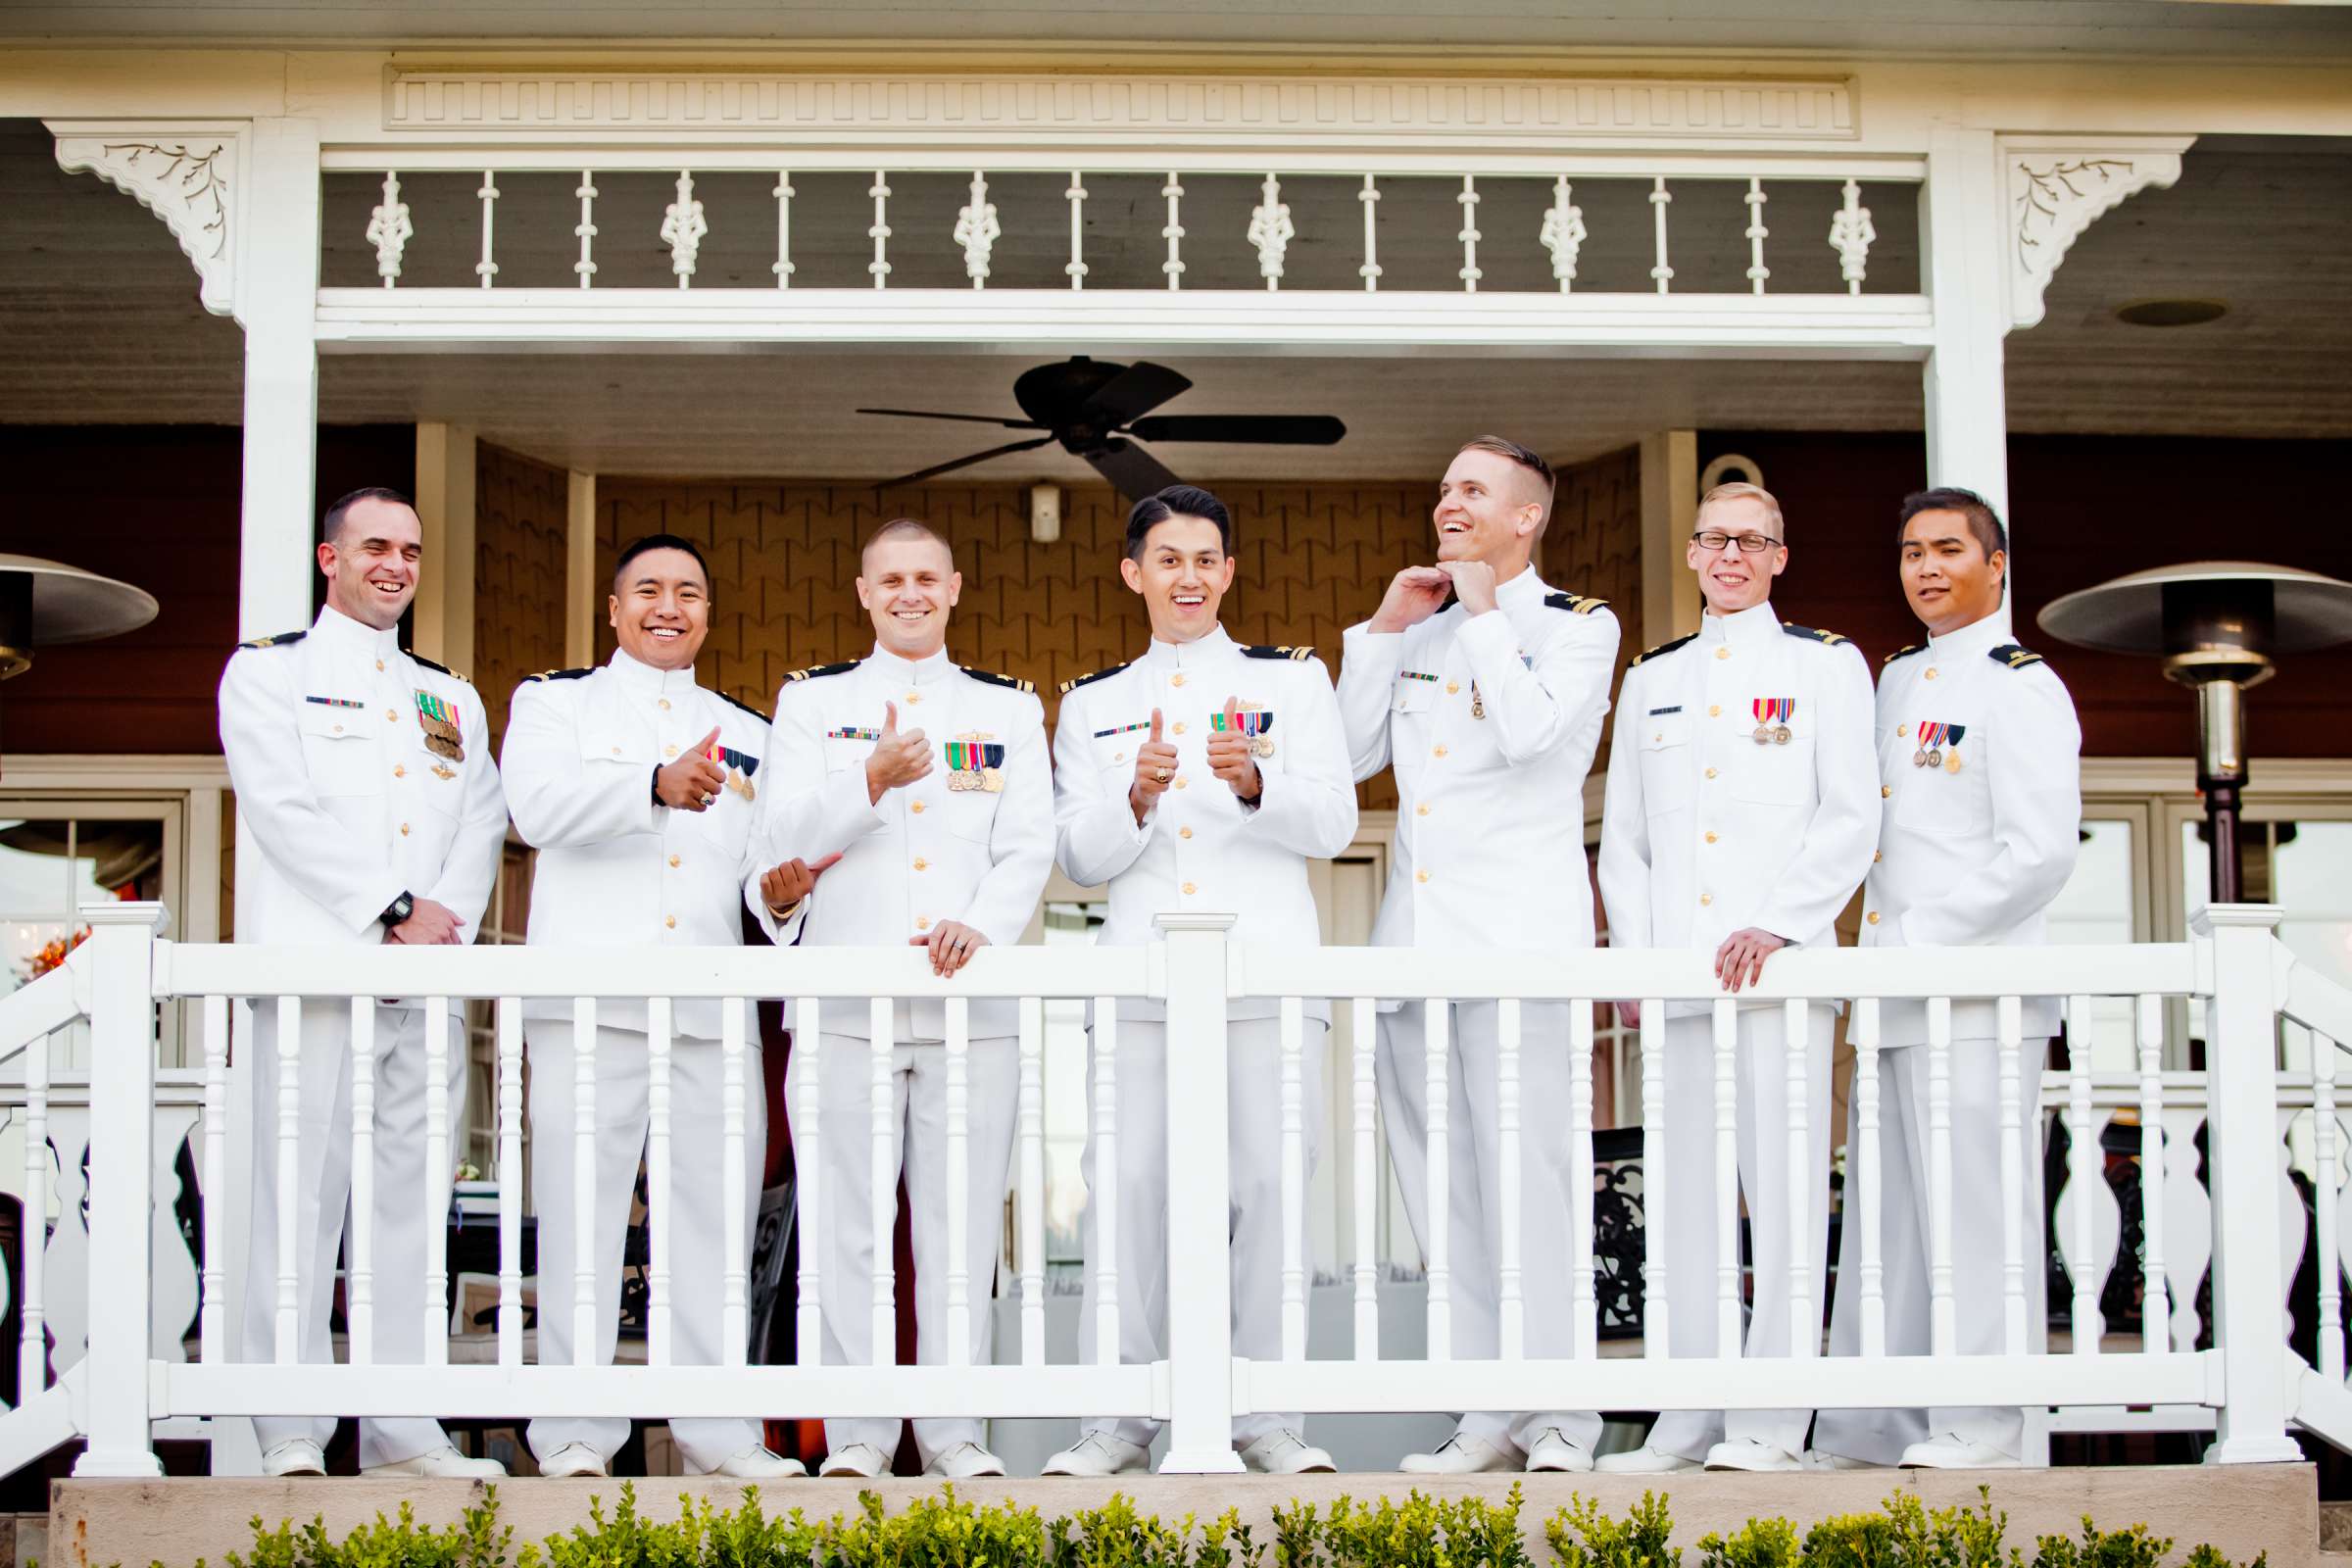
x=1270, y=650
x=1902, y=653
x=419, y=658
x=2016, y=658
x=277, y=640
x=561, y=674
x=746, y=707
x=1816, y=634
x=1010, y=682
x=1663, y=648
x=1575, y=604
x=1069, y=686
x=818, y=671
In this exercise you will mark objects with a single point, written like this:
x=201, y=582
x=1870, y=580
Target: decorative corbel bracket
x=189, y=174
x=2059, y=187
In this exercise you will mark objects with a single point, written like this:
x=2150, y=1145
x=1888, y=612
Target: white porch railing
x=2248, y=1380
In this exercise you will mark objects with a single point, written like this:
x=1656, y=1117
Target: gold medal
x=1781, y=735
x=1262, y=746
x=1951, y=763
x=740, y=782
x=992, y=779
x=441, y=771
x=1478, y=704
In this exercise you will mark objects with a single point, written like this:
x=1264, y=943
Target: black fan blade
x=966, y=418
x=964, y=463
x=1133, y=392
x=1252, y=430
x=1134, y=471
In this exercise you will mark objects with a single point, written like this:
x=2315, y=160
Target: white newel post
x=1965, y=220
x=121, y=981
x=2241, y=1048
x=1200, y=1367
x=276, y=301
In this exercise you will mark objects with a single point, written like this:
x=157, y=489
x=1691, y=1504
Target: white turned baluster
x=1436, y=1019
x=2154, y=1315
x=2007, y=1012
x=583, y=1183
x=1173, y=233
x=287, y=1338
x=1469, y=235
x=585, y=229
x=1369, y=196
x=1563, y=234
x=1850, y=236
x=1076, y=196
x=782, y=267
x=959, y=1181
x=1866, y=1173
x=389, y=229
x=2084, y=1164
x=487, y=268
x=510, y=1182
x=1512, y=1309
x=1662, y=273
x=32, y=1342
x=212, y=1316
x=1366, y=1172
x=1655, y=1305
x=1106, y=1199
x=1293, y=1180
x=1756, y=233
x=1271, y=232
x=359, y=1285
x=882, y=1184
x=1725, y=1020
x=440, y=1171
x=977, y=231
x=2189, y=1229
x=1031, y=1195
x=1796, y=1043
x=2325, y=1138
x=1942, y=1318
x=735, y=1199
x=879, y=234
x=1584, y=1305
x=683, y=227
x=808, y=1052
x=658, y=1176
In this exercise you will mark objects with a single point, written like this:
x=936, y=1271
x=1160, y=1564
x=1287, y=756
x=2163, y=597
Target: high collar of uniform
x=1976, y=637
x=1524, y=589
x=1742, y=628
x=636, y=675
x=341, y=631
x=931, y=666
x=1210, y=645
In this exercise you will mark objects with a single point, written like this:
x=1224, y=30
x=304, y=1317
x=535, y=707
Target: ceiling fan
x=1099, y=411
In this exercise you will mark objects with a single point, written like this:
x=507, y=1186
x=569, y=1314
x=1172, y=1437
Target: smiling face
x=1488, y=509
x=372, y=563
x=1182, y=571
x=1730, y=579
x=660, y=608
x=908, y=585
x=1948, y=576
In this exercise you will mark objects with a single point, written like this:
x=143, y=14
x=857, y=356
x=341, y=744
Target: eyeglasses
x=1753, y=544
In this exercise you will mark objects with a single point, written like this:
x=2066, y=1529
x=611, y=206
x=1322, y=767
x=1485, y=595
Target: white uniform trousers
x=1254, y=1163
x=695, y=1230
x=1473, y=1203
x=1689, y=1214
x=918, y=1118
x=1881, y=1435
x=322, y=1193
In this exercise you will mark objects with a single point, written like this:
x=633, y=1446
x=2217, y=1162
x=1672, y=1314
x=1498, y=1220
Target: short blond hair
x=904, y=528
x=1743, y=491
x=1528, y=460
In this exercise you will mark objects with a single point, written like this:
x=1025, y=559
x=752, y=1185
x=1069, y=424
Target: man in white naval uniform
x=1980, y=777
x=931, y=784
x=1202, y=776
x=365, y=784
x=637, y=787
x=1490, y=709
x=1742, y=809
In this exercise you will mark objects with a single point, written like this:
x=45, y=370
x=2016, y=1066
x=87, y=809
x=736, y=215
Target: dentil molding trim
x=2058, y=187
x=189, y=175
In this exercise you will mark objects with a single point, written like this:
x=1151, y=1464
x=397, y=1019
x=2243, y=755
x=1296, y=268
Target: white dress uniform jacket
x=1489, y=848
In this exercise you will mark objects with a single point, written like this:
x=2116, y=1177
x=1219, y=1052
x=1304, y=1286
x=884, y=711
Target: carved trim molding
x=189, y=177
x=2056, y=189
x=1120, y=108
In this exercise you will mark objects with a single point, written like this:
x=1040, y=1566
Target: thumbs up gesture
x=1229, y=754
x=693, y=781
x=1155, y=766
x=898, y=759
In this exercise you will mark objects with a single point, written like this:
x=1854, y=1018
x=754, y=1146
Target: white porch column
x=1965, y=222
x=581, y=600
x=277, y=294
x=445, y=508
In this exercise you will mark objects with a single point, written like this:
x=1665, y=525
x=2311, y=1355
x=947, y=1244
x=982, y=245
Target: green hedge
x=950, y=1532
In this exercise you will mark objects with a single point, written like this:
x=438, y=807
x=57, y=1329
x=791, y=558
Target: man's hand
x=1229, y=755
x=693, y=781
x=1414, y=595
x=428, y=924
x=1741, y=960
x=952, y=944
x=898, y=759
x=783, y=886
x=1629, y=1014
x=1155, y=766
x=1473, y=585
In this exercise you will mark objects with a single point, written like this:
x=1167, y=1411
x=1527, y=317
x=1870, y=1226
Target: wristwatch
x=398, y=910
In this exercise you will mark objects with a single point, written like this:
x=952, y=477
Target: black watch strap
x=399, y=908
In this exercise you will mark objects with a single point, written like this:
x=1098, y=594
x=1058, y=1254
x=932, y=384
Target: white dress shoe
x=1552, y=1450
x=1644, y=1461
x=1952, y=1452
x=1458, y=1455
x=1284, y=1452
x=1096, y=1455
x=966, y=1461
x=295, y=1456
x=860, y=1460
x=444, y=1463
x=573, y=1459
x=756, y=1463
x=1748, y=1453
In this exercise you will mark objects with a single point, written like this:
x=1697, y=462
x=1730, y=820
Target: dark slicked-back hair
x=1176, y=501
x=1983, y=520
x=330, y=527
x=905, y=528
x=661, y=540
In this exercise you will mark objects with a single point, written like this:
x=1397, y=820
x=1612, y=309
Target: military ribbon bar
x=853, y=732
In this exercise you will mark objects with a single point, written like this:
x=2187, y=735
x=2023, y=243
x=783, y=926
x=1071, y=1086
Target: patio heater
x=47, y=601
x=2216, y=625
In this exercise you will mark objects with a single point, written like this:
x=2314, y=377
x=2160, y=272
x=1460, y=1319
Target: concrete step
x=2335, y=1528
